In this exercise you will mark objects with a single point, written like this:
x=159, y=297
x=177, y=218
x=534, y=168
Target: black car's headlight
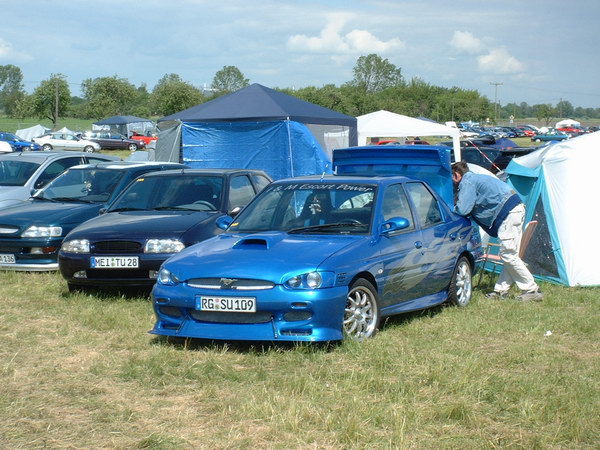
x=76, y=246
x=163, y=246
x=35, y=231
x=311, y=280
x=166, y=278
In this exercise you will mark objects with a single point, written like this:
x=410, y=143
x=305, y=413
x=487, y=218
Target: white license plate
x=226, y=304
x=7, y=258
x=114, y=262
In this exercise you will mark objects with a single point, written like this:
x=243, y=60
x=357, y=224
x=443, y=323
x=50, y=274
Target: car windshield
x=319, y=207
x=16, y=173
x=172, y=192
x=86, y=185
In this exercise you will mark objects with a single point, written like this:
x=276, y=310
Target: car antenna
x=323, y=174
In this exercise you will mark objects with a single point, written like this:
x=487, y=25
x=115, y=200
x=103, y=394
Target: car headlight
x=76, y=246
x=311, y=280
x=165, y=277
x=35, y=231
x=163, y=246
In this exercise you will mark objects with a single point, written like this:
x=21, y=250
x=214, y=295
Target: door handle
x=418, y=244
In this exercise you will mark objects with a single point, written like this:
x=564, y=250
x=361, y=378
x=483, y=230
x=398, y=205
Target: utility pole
x=496, y=84
x=55, y=102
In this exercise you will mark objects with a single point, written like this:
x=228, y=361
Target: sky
x=534, y=51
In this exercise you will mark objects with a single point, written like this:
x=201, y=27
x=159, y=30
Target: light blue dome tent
x=256, y=128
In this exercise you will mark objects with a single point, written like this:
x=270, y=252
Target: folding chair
x=491, y=256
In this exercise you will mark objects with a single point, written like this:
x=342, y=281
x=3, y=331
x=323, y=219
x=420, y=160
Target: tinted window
x=260, y=181
x=426, y=206
x=395, y=204
x=16, y=173
x=55, y=169
x=240, y=191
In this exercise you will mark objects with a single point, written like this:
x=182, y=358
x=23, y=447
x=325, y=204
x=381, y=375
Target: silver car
x=66, y=141
x=23, y=172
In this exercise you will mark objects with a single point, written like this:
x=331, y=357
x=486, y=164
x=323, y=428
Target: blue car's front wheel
x=361, y=316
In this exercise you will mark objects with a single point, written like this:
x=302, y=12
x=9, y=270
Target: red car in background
x=572, y=131
x=145, y=139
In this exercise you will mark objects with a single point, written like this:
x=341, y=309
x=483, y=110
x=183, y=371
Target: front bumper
x=30, y=255
x=76, y=270
x=282, y=315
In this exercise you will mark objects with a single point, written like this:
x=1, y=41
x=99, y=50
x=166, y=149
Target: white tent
x=32, y=132
x=567, y=123
x=559, y=184
x=387, y=124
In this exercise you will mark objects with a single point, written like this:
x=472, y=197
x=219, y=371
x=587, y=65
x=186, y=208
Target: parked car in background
x=65, y=141
x=327, y=257
x=22, y=173
x=571, y=131
x=32, y=232
x=550, y=135
x=145, y=139
x=528, y=132
x=18, y=144
x=158, y=215
x=110, y=140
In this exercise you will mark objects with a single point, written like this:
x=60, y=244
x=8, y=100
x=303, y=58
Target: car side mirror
x=223, y=222
x=102, y=211
x=235, y=211
x=394, y=224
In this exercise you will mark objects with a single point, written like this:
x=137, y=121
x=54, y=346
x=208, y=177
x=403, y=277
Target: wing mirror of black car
x=235, y=211
x=102, y=211
x=394, y=224
x=223, y=222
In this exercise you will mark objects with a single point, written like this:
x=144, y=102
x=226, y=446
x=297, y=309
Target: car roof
x=324, y=179
x=42, y=156
x=126, y=165
x=213, y=172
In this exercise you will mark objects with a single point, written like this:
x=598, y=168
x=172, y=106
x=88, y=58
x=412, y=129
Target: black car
x=109, y=140
x=31, y=232
x=159, y=215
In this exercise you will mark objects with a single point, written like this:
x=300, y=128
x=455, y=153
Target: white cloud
x=7, y=53
x=464, y=41
x=499, y=61
x=331, y=40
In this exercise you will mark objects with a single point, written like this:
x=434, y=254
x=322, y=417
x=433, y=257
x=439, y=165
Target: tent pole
x=287, y=122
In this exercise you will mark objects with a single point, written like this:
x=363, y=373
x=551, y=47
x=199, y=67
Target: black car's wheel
x=132, y=147
x=46, y=147
x=88, y=149
x=461, y=286
x=361, y=318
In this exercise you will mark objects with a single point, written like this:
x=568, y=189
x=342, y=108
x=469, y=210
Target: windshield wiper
x=71, y=200
x=126, y=209
x=172, y=208
x=326, y=226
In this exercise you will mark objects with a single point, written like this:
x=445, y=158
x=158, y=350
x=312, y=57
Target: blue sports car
x=327, y=257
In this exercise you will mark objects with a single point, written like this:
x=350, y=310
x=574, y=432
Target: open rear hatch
x=426, y=162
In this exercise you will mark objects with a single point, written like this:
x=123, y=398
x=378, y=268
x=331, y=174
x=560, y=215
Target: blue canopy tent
x=258, y=128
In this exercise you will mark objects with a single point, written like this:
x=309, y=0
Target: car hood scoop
x=253, y=243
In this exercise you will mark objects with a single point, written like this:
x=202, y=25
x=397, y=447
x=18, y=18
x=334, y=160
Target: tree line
x=377, y=84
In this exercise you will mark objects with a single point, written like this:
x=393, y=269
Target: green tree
x=11, y=88
x=564, y=109
x=51, y=99
x=229, y=79
x=171, y=94
x=108, y=96
x=374, y=73
x=544, y=112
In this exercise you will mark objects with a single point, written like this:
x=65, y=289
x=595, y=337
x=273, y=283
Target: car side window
x=260, y=182
x=54, y=169
x=395, y=204
x=427, y=208
x=240, y=191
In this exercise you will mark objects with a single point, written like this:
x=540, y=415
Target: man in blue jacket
x=499, y=211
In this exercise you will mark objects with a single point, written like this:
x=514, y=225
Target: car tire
x=88, y=149
x=538, y=140
x=46, y=147
x=362, y=315
x=132, y=147
x=461, y=286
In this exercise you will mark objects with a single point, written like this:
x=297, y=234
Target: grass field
x=80, y=371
